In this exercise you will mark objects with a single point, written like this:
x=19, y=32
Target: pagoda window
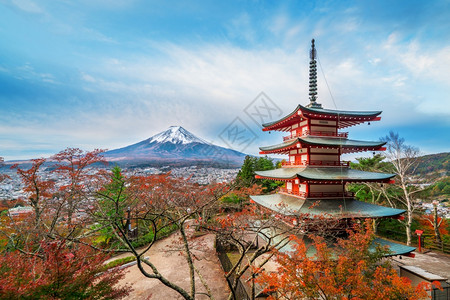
x=302, y=188
x=294, y=126
x=289, y=186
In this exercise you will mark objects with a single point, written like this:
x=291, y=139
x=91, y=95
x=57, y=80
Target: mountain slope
x=176, y=147
x=434, y=163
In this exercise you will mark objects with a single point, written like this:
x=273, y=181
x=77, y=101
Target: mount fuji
x=175, y=147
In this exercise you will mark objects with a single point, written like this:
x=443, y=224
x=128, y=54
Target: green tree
x=113, y=202
x=246, y=176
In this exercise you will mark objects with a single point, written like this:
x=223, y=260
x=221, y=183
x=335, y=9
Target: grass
x=119, y=262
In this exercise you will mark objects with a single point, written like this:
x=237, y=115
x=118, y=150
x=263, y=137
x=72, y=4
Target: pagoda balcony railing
x=291, y=192
x=325, y=163
x=316, y=194
x=316, y=133
x=330, y=194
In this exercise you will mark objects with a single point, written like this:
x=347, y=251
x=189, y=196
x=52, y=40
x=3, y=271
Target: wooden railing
x=316, y=163
x=330, y=194
x=316, y=194
x=290, y=192
x=316, y=133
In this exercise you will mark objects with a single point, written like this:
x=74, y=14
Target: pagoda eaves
x=330, y=174
x=345, y=145
x=343, y=118
x=327, y=208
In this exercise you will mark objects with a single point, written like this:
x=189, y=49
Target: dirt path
x=172, y=264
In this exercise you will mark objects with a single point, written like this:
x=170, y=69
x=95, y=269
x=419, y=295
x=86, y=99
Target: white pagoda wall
x=302, y=188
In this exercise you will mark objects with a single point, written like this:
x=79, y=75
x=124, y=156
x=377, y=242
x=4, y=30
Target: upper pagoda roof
x=346, y=208
x=325, y=174
x=346, y=118
x=347, y=145
x=341, y=113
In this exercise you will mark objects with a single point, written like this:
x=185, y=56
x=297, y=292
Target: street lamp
x=419, y=234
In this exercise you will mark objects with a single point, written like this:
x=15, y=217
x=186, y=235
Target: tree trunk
x=375, y=225
x=409, y=211
x=437, y=234
x=409, y=220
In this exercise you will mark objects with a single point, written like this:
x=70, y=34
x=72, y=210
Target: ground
x=173, y=266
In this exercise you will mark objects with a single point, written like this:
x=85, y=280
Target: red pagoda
x=314, y=174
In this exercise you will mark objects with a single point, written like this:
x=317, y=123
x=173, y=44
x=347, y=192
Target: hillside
x=434, y=163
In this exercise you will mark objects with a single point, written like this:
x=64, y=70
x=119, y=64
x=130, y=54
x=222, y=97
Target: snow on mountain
x=175, y=135
x=177, y=147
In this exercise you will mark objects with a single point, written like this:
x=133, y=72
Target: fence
x=240, y=292
x=441, y=294
x=428, y=241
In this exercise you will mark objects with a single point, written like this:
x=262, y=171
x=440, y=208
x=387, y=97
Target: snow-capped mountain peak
x=175, y=135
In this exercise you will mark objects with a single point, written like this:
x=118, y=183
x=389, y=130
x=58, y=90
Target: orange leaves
x=348, y=271
x=427, y=222
x=58, y=270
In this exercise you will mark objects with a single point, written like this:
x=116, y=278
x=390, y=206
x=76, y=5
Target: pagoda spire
x=313, y=78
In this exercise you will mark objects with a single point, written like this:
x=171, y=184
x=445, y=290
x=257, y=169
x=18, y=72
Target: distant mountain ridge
x=434, y=163
x=175, y=147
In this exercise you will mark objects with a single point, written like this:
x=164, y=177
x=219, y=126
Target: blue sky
x=106, y=74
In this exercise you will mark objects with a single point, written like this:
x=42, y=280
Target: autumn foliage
x=39, y=257
x=351, y=270
x=58, y=271
x=427, y=225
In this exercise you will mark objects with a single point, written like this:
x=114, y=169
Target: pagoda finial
x=313, y=77
x=312, y=53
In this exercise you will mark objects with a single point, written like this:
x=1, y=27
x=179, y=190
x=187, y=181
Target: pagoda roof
x=344, y=208
x=341, y=113
x=347, y=145
x=393, y=247
x=346, y=118
x=324, y=174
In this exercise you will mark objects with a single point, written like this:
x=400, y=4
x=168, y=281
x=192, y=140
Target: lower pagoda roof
x=393, y=247
x=343, y=208
x=324, y=174
x=347, y=145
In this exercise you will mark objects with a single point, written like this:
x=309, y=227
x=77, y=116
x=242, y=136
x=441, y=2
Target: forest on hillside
x=434, y=163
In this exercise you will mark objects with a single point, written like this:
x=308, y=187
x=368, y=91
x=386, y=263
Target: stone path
x=172, y=264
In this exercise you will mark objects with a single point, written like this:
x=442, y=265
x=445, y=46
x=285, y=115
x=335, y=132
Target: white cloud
x=27, y=71
x=241, y=28
x=28, y=6
x=87, y=77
